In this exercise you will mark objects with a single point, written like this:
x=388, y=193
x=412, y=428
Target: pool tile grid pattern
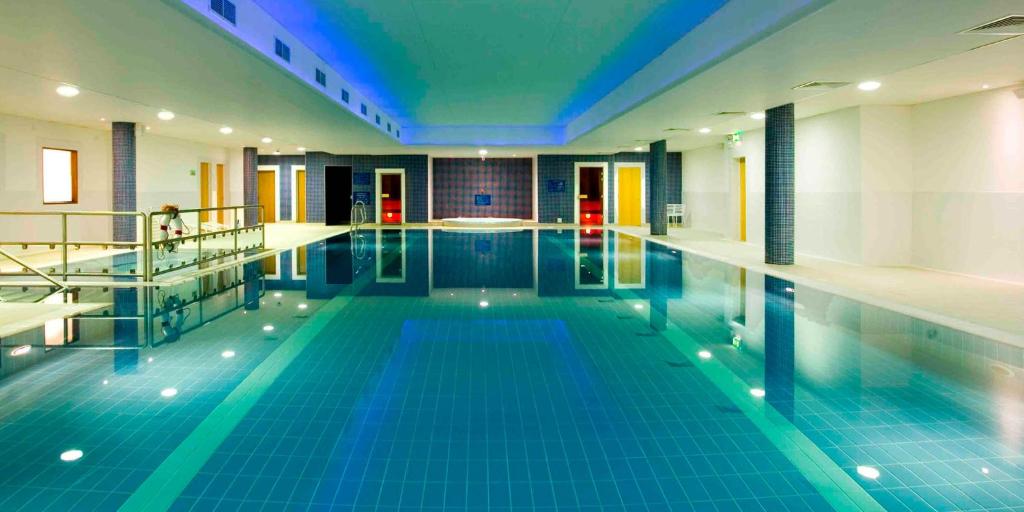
x=430, y=417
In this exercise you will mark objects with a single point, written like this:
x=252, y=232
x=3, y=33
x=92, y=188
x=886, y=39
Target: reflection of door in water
x=591, y=257
x=300, y=195
x=265, y=192
x=270, y=266
x=591, y=195
x=629, y=199
x=391, y=256
x=391, y=198
x=300, y=261
x=629, y=271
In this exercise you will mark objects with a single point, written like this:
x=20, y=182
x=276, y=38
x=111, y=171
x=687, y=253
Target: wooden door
x=204, y=190
x=266, y=188
x=300, y=195
x=630, y=201
x=220, y=193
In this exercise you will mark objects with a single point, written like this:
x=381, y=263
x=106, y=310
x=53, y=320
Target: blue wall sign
x=361, y=178
x=482, y=200
x=361, y=196
x=556, y=185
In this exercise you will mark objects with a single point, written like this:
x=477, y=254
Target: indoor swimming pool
x=573, y=369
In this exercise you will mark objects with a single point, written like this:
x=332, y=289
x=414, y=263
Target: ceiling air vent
x=1012, y=25
x=677, y=129
x=728, y=113
x=820, y=85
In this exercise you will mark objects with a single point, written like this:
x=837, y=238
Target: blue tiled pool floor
x=519, y=408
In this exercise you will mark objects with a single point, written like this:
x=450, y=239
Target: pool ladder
x=358, y=215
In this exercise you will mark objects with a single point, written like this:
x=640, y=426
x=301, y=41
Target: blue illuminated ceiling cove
x=505, y=66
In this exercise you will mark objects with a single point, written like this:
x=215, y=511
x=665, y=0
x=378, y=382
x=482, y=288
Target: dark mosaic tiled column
x=779, y=156
x=659, y=188
x=779, y=344
x=249, y=195
x=124, y=199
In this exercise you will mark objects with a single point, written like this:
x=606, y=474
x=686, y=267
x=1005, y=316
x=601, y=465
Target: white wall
x=164, y=175
x=706, y=190
x=968, y=213
x=938, y=185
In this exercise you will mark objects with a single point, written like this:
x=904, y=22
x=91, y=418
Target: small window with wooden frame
x=60, y=176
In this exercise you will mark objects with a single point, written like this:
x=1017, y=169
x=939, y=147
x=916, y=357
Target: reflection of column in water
x=664, y=281
x=251, y=273
x=779, y=344
x=126, y=323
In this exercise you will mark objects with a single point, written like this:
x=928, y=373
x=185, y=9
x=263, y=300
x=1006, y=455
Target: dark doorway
x=337, y=195
x=591, y=196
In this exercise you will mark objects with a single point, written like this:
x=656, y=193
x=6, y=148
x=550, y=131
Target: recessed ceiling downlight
x=165, y=115
x=757, y=116
x=638, y=148
x=705, y=131
x=226, y=130
x=482, y=152
x=869, y=85
x=67, y=90
x=266, y=140
x=301, y=149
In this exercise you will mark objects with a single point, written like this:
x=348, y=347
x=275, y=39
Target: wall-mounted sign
x=361, y=178
x=482, y=200
x=361, y=196
x=556, y=186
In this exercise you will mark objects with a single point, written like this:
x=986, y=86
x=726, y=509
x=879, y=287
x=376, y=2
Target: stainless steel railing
x=148, y=247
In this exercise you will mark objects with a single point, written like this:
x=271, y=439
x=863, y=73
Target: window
x=225, y=8
x=378, y=119
x=362, y=108
x=398, y=134
x=389, y=127
x=282, y=50
x=321, y=77
x=60, y=176
x=344, y=95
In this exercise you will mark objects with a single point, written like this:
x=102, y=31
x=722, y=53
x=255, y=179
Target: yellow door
x=265, y=187
x=743, y=199
x=220, y=192
x=629, y=196
x=300, y=195
x=204, y=190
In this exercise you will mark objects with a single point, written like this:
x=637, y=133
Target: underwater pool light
x=704, y=354
x=268, y=328
x=484, y=303
x=303, y=306
x=638, y=307
x=984, y=471
x=277, y=295
x=22, y=350
x=757, y=392
x=168, y=392
x=227, y=354
x=868, y=472
x=71, y=455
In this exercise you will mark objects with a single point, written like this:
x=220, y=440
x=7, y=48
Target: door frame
x=604, y=260
x=295, y=191
x=377, y=200
x=576, y=190
x=643, y=189
x=207, y=194
x=277, y=187
x=741, y=168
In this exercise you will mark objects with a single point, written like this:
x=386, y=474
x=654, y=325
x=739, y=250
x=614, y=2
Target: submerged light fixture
x=71, y=455
x=168, y=392
x=868, y=472
x=757, y=392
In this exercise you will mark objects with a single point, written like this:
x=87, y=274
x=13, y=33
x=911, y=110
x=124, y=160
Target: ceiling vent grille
x=730, y=113
x=1012, y=25
x=819, y=85
x=677, y=129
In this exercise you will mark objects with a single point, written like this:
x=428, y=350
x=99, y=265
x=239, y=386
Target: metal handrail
x=30, y=268
x=199, y=236
x=64, y=243
x=358, y=208
x=147, y=244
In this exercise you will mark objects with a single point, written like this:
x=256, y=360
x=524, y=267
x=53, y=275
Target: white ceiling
x=160, y=58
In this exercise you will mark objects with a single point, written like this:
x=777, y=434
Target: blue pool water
x=528, y=370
